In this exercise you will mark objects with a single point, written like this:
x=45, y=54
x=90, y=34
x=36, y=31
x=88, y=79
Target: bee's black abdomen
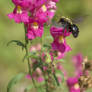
x=75, y=31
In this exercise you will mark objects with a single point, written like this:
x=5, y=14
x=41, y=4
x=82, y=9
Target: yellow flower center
x=35, y=25
x=76, y=86
x=61, y=39
x=19, y=9
x=44, y=8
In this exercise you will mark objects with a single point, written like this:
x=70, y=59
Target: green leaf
x=28, y=88
x=19, y=43
x=14, y=80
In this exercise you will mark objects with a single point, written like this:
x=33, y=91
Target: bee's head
x=61, y=20
x=75, y=30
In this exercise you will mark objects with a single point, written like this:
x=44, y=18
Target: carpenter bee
x=67, y=24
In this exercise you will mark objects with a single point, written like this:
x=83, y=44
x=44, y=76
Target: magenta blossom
x=20, y=13
x=59, y=44
x=77, y=61
x=51, y=7
x=46, y=11
x=73, y=85
x=35, y=29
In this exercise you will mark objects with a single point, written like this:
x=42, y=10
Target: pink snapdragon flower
x=46, y=11
x=35, y=29
x=60, y=46
x=77, y=61
x=73, y=85
x=51, y=7
x=20, y=13
x=34, y=14
x=59, y=43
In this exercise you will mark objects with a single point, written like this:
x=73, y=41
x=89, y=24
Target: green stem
x=46, y=83
x=26, y=48
x=56, y=79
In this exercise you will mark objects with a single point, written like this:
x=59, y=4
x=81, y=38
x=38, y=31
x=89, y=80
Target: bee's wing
x=79, y=19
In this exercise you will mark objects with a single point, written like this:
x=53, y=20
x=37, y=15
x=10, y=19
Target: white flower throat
x=19, y=9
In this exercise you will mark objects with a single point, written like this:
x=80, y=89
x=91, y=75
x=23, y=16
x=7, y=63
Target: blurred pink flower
x=28, y=76
x=40, y=79
x=59, y=79
x=73, y=85
x=61, y=68
x=77, y=61
x=45, y=68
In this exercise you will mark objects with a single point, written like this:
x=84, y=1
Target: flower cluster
x=45, y=68
x=34, y=14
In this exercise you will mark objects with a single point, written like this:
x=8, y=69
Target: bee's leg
x=65, y=26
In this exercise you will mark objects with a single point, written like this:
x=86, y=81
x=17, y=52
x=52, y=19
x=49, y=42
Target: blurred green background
x=11, y=57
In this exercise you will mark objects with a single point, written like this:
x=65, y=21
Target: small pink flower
x=33, y=48
x=59, y=44
x=77, y=61
x=39, y=72
x=35, y=29
x=73, y=85
x=40, y=79
x=28, y=76
x=44, y=68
